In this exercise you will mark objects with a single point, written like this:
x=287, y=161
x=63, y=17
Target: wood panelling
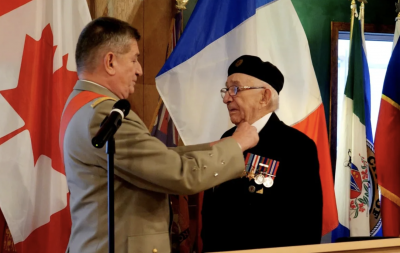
x=137, y=100
x=99, y=9
x=150, y=103
x=92, y=6
x=157, y=19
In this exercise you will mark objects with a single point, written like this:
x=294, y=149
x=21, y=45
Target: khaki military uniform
x=146, y=171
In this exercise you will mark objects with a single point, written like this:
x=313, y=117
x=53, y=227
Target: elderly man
x=146, y=171
x=278, y=200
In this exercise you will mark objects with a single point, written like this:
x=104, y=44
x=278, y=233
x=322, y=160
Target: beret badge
x=239, y=62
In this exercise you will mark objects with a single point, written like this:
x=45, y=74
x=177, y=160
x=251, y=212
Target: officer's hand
x=246, y=135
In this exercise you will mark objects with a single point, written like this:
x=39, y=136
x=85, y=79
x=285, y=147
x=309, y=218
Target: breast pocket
x=155, y=243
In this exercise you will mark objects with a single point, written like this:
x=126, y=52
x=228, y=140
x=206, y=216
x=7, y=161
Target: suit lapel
x=269, y=137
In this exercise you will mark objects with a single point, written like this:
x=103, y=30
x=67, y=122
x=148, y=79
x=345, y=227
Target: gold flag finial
x=353, y=7
x=398, y=9
x=181, y=4
x=362, y=13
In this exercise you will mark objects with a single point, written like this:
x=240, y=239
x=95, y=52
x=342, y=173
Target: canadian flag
x=37, y=73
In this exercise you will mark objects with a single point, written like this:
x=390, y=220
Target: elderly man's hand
x=246, y=135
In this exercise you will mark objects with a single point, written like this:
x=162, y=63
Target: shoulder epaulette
x=98, y=101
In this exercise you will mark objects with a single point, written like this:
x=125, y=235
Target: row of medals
x=267, y=181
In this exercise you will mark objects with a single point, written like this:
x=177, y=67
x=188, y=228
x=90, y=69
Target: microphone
x=111, y=123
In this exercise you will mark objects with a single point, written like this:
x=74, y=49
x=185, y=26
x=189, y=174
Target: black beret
x=254, y=66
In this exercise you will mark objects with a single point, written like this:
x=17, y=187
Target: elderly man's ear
x=266, y=98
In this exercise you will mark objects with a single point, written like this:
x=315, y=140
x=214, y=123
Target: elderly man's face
x=246, y=105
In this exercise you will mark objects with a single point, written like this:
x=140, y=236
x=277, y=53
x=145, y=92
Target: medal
x=259, y=179
x=251, y=176
x=260, y=169
x=268, y=182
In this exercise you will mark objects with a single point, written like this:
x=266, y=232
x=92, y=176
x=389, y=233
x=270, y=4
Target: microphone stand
x=110, y=150
x=105, y=135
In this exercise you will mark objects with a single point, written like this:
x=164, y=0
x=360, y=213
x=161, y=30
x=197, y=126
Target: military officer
x=146, y=171
x=278, y=200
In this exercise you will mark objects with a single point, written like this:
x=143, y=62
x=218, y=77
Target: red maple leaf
x=6, y=5
x=39, y=100
x=40, y=96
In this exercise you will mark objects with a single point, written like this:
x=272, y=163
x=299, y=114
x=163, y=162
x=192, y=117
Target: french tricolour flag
x=219, y=32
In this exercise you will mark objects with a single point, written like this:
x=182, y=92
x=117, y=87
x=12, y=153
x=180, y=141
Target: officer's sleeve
x=147, y=163
x=184, y=149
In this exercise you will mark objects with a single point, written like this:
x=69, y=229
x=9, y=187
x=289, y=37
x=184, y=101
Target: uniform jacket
x=146, y=171
x=241, y=214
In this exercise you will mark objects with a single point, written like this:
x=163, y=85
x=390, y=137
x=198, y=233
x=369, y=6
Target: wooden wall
x=152, y=18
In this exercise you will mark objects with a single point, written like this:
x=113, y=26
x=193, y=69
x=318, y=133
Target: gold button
x=216, y=174
x=205, y=167
x=211, y=154
x=155, y=250
x=222, y=162
x=194, y=168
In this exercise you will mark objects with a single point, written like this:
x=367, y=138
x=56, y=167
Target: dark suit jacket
x=289, y=213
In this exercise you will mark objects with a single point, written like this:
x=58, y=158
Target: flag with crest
x=356, y=186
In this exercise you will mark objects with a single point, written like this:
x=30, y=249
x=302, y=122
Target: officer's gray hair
x=103, y=34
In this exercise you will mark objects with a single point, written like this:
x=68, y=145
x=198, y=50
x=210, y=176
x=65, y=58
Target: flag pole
x=353, y=8
x=362, y=13
x=181, y=4
x=362, y=9
x=396, y=37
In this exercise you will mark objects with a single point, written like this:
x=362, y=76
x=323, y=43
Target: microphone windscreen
x=123, y=105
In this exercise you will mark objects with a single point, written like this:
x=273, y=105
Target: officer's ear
x=109, y=63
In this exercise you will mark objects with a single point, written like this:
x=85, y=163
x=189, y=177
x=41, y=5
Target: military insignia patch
x=239, y=62
x=261, y=169
x=98, y=101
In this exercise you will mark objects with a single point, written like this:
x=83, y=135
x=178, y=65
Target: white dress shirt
x=260, y=124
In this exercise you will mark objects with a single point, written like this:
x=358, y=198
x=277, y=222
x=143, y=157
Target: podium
x=368, y=246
